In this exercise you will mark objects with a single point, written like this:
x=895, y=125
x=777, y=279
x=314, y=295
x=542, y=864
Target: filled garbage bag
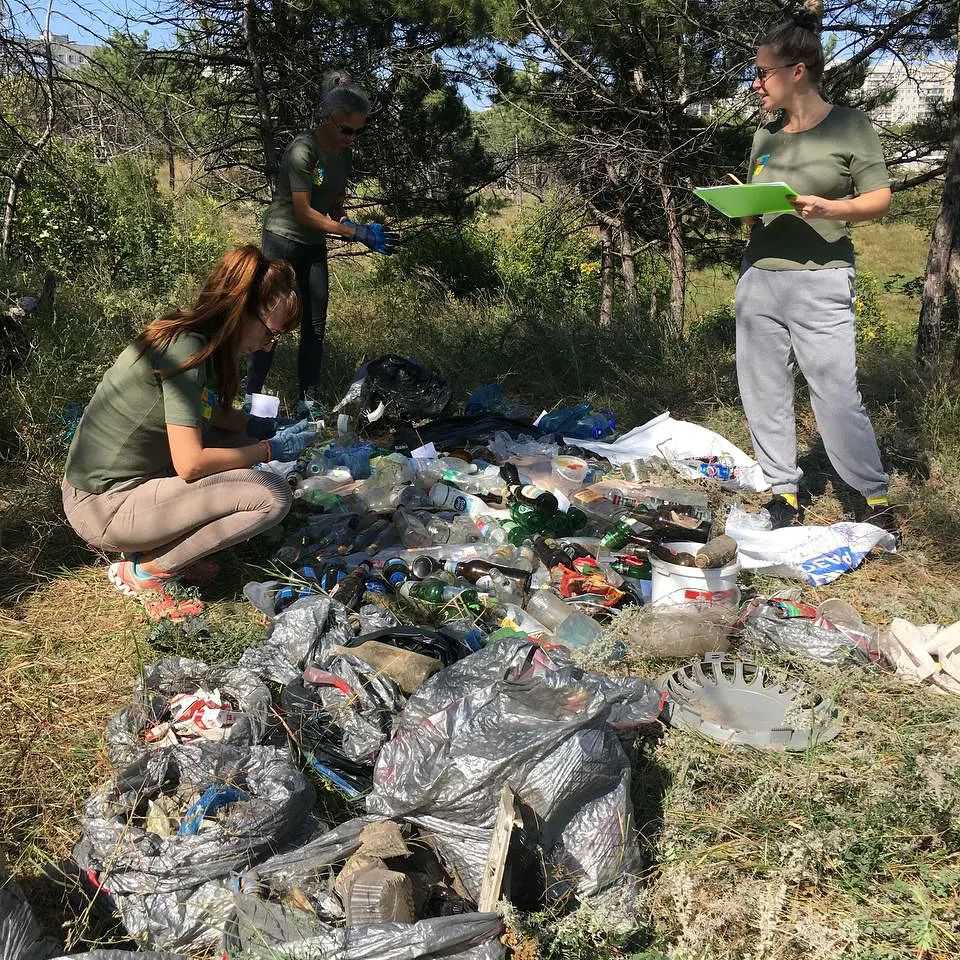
x=149, y=712
x=397, y=390
x=511, y=714
x=259, y=928
x=21, y=937
x=164, y=834
x=304, y=633
x=340, y=716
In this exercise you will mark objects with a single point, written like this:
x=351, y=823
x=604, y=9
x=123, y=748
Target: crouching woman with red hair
x=160, y=467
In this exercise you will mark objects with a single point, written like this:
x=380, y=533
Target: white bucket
x=674, y=584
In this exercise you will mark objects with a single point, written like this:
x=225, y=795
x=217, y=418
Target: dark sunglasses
x=763, y=72
x=349, y=131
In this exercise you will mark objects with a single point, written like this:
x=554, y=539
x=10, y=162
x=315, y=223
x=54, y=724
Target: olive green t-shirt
x=305, y=167
x=122, y=437
x=839, y=157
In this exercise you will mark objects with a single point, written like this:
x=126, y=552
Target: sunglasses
x=275, y=335
x=763, y=72
x=349, y=131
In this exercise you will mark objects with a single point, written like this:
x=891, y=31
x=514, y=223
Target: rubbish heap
x=439, y=595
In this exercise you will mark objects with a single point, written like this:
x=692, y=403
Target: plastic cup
x=264, y=405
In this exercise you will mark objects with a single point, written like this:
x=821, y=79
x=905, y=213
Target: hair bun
x=335, y=78
x=809, y=16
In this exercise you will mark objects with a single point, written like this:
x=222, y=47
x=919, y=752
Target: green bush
x=869, y=310
x=110, y=225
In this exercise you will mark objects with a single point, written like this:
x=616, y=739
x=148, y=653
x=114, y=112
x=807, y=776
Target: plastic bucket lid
x=676, y=584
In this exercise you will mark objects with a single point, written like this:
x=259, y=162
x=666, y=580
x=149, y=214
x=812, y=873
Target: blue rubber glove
x=374, y=236
x=290, y=442
x=261, y=428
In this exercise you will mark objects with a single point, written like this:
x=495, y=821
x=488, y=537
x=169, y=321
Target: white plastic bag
x=816, y=555
x=676, y=441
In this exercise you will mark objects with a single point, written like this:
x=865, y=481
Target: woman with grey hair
x=307, y=206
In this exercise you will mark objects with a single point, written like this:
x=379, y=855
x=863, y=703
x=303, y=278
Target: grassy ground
x=851, y=850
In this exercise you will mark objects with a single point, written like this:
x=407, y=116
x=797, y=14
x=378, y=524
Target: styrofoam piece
x=905, y=646
x=736, y=702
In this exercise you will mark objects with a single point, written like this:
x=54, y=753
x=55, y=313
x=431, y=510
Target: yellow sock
x=882, y=501
x=791, y=498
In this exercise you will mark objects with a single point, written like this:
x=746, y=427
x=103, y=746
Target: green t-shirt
x=837, y=158
x=122, y=437
x=306, y=167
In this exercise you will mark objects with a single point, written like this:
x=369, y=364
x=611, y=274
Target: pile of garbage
x=451, y=609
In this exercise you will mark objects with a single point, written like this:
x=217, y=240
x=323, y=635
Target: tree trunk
x=678, y=266
x=171, y=168
x=260, y=87
x=607, y=277
x=628, y=266
x=16, y=176
x=943, y=246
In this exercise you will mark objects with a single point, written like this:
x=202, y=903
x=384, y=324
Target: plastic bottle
x=317, y=498
x=505, y=588
x=435, y=591
x=577, y=631
x=548, y=608
x=514, y=617
x=444, y=495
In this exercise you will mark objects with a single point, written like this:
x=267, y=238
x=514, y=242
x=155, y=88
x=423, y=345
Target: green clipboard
x=748, y=199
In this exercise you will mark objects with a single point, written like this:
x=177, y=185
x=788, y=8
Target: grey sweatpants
x=790, y=318
x=173, y=523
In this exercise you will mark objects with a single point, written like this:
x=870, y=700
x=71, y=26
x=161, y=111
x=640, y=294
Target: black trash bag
x=393, y=389
x=451, y=432
x=171, y=891
x=342, y=719
x=21, y=936
x=249, y=698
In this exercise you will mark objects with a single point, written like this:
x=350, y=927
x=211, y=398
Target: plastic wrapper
x=21, y=937
x=170, y=891
x=783, y=625
x=302, y=634
x=511, y=714
x=259, y=929
x=163, y=680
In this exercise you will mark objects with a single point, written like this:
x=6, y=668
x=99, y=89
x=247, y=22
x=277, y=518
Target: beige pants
x=174, y=523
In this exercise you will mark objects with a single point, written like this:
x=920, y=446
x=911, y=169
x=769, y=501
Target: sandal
x=158, y=602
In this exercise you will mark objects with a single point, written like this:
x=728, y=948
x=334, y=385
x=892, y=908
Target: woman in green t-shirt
x=307, y=206
x=795, y=294
x=160, y=466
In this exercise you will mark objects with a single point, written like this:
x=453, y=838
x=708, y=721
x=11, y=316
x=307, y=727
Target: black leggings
x=310, y=265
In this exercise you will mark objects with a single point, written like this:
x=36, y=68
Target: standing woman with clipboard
x=794, y=298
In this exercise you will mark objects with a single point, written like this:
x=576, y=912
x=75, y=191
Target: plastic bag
x=21, y=937
x=170, y=891
x=161, y=681
x=397, y=389
x=781, y=624
x=676, y=441
x=512, y=714
x=815, y=555
x=302, y=633
x=259, y=929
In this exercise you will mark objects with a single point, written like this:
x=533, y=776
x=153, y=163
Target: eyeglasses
x=763, y=72
x=275, y=335
x=348, y=131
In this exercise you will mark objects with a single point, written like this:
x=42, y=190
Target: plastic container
x=578, y=630
x=570, y=469
x=675, y=584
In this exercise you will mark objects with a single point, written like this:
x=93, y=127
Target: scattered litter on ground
x=454, y=608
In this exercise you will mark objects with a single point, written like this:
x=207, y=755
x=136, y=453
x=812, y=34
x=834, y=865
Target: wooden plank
x=497, y=857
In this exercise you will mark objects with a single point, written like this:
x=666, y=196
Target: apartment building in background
x=919, y=89
x=67, y=54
